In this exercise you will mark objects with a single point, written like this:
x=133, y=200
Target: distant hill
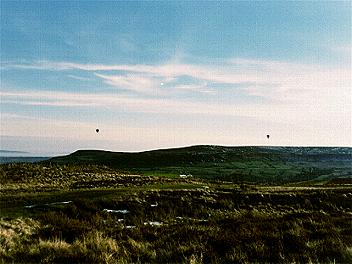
x=204, y=154
x=4, y=151
x=13, y=159
x=241, y=163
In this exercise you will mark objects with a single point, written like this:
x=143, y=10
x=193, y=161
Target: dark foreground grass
x=185, y=226
x=78, y=214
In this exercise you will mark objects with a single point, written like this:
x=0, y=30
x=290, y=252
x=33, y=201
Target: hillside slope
x=239, y=163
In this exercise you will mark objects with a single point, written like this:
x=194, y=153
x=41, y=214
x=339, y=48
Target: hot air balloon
x=267, y=136
x=97, y=130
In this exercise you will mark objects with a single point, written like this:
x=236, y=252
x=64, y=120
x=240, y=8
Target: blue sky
x=164, y=74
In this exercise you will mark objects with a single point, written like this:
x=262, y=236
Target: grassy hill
x=260, y=164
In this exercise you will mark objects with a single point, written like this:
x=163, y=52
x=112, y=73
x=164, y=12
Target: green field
x=280, y=205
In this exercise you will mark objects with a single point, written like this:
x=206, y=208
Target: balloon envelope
x=97, y=130
x=268, y=136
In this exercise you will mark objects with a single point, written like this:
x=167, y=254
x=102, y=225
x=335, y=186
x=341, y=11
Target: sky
x=165, y=74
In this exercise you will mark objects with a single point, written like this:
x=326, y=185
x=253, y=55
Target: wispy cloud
x=80, y=78
x=302, y=98
x=286, y=113
x=292, y=90
x=132, y=104
x=130, y=82
x=257, y=75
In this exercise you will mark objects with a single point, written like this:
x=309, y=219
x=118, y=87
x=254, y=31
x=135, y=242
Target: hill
x=21, y=159
x=263, y=164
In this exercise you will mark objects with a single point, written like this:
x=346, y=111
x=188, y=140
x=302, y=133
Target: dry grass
x=19, y=243
x=223, y=223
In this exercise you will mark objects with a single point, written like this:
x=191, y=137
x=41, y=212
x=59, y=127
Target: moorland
x=200, y=204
